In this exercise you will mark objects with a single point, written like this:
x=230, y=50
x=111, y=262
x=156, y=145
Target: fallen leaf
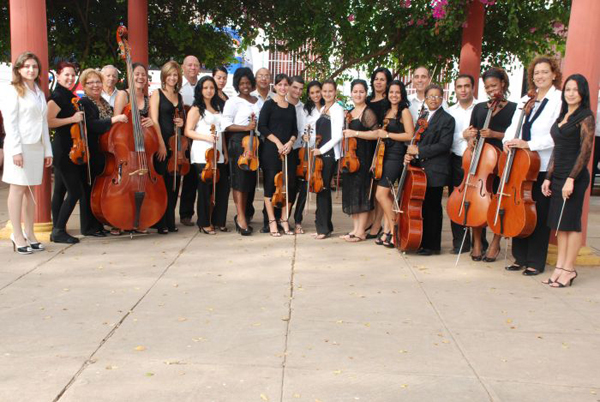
x=296, y=395
x=140, y=348
x=149, y=374
x=181, y=319
x=337, y=372
x=264, y=397
x=109, y=367
x=404, y=386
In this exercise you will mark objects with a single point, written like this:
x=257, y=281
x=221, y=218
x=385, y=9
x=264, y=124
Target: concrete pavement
x=191, y=317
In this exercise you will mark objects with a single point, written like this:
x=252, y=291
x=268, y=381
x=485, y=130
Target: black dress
x=499, y=122
x=281, y=122
x=166, y=113
x=379, y=107
x=573, y=143
x=355, y=194
x=68, y=176
x=393, y=158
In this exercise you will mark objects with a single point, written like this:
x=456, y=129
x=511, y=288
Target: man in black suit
x=433, y=155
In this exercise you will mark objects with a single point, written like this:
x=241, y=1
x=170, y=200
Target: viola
x=408, y=200
x=303, y=157
x=280, y=196
x=80, y=151
x=316, y=170
x=129, y=194
x=248, y=160
x=468, y=204
x=178, y=144
x=350, y=162
x=512, y=210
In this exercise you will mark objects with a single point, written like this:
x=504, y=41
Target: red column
x=470, y=52
x=584, y=58
x=137, y=17
x=28, y=32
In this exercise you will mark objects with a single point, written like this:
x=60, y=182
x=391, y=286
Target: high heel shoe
x=549, y=281
x=373, y=236
x=288, y=232
x=379, y=240
x=34, y=246
x=564, y=285
x=21, y=250
x=276, y=232
x=240, y=230
x=491, y=259
x=476, y=257
x=388, y=240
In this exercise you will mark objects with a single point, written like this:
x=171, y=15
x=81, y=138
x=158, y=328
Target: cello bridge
x=139, y=172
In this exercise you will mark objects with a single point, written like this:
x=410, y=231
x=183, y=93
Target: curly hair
x=554, y=66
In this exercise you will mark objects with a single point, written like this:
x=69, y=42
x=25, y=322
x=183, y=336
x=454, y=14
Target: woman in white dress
x=27, y=148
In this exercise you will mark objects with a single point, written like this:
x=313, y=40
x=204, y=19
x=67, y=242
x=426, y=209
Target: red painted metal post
x=472, y=37
x=137, y=19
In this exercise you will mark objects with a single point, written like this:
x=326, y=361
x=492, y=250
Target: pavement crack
x=288, y=318
x=90, y=359
x=443, y=322
x=35, y=267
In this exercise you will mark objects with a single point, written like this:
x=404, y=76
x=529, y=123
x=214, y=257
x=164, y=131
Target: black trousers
x=219, y=213
x=532, y=251
x=67, y=181
x=458, y=231
x=432, y=219
x=324, y=210
x=89, y=223
x=168, y=219
x=300, y=199
x=188, y=195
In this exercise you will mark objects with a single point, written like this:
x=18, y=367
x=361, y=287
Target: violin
x=248, y=160
x=512, y=211
x=179, y=145
x=280, y=196
x=303, y=157
x=408, y=199
x=350, y=162
x=80, y=151
x=210, y=173
x=377, y=163
x=316, y=170
x=469, y=203
x=129, y=194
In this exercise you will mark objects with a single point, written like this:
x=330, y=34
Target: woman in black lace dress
x=399, y=130
x=568, y=178
x=355, y=196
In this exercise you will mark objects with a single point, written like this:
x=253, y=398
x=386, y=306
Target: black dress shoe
x=186, y=222
x=61, y=236
x=455, y=250
x=514, y=267
x=477, y=257
x=531, y=272
x=174, y=229
x=424, y=251
x=99, y=233
x=162, y=231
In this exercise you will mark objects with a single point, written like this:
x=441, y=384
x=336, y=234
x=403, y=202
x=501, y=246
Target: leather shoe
x=455, y=250
x=99, y=233
x=424, y=251
x=531, y=272
x=186, y=222
x=61, y=236
x=514, y=267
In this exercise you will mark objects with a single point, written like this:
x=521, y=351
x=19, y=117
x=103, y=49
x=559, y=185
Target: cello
x=408, y=199
x=129, y=194
x=80, y=151
x=179, y=145
x=468, y=204
x=512, y=211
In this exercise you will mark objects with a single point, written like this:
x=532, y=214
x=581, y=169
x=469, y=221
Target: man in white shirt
x=596, y=150
x=109, y=86
x=293, y=97
x=461, y=111
x=421, y=78
x=189, y=187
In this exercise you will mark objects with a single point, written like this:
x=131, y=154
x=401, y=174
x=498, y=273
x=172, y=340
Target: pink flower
x=420, y=22
x=532, y=30
x=439, y=9
x=465, y=24
x=488, y=2
x=405, y=3
x=411, y=22
x=351, y=17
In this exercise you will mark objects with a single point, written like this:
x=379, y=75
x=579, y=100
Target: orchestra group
x=518, y=170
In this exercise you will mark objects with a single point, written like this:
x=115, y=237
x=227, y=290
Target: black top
x=434, y=148
x=2, y=133
x=499, y=122
x=573, y=143
x=282, y=124
x=323, y=127
x=97, y=122
x=62, y=135
x=166, y=113
x=392, y=146
x=379, y=107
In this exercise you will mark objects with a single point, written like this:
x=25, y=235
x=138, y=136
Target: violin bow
x=215, y=154
x=307, y=130
x=561, y=216
x=87, y=149
x=287, y=200
x=175, y=152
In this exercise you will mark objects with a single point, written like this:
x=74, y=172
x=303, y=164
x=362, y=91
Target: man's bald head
x=263, y=78
x=191, y=68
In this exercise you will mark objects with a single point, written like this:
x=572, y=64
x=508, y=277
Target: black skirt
x=241, y=180
x=571, y=219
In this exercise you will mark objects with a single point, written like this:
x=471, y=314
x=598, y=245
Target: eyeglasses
x=91, y=83
x=261, y=76
x=433, y=97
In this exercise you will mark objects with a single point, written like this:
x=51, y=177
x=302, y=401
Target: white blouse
x=308, y=119
x=199, y=147
x=237, y=112
x=336, y=114
x=541, y=140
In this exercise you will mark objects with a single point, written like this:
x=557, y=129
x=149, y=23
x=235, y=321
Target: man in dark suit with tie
x=433, y=155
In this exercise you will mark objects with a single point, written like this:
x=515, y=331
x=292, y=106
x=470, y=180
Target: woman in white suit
x=27, y=148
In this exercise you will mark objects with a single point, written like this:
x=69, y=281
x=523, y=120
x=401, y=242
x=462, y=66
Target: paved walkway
x=191, y=317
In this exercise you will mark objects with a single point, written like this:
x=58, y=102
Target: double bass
x=408, y=199
x=179, y=145
x=129, y=194
x=512, y=211
x=80, y=151
x=469, y=203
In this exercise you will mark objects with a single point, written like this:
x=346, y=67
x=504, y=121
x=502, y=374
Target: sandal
x=549, y=281
x=287, y=232
x=514, y=267
x=379, y=240
x=355, y=239
x=209, y=231
x=558, y=284
x=276, y=233
x=323, y=236
x=298, y=229
x=388, y=241
x=375, y=236
x=116, y=232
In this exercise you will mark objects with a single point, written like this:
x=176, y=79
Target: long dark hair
x=388, y=79
x=584, y=91
x=199, y=99
x=310, y=105
x=404, y=103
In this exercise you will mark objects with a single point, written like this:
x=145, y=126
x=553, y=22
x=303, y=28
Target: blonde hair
x=166, y=69
x=17, y=79
x=86, y=75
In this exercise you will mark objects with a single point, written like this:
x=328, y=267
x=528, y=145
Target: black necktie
x=526, y=135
